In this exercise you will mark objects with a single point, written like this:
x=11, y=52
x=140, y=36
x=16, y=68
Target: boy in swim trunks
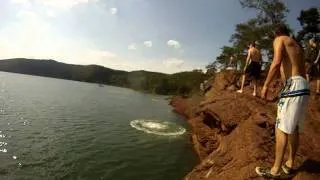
x=292, y=106
x=252, y=67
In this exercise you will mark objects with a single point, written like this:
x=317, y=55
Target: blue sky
x=156, y=35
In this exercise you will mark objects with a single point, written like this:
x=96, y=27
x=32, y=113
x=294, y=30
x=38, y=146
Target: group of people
x=288, y=59
x=253, y=65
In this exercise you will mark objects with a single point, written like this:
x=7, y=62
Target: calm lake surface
x=59, y=129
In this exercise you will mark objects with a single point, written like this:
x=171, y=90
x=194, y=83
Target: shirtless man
x=315, y=60
x=252, y=67
x=292, y=106
x=231, y=61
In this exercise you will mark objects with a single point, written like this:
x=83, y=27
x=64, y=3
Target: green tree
x=212, y=68
x=310, y=22
x=269, y=11
x=259, y=29
x=224, y=58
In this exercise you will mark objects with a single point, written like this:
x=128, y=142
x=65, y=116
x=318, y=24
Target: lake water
x=59, y=129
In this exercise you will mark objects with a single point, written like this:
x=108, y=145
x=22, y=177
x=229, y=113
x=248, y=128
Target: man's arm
x=248, y=59
x=230, y=61
x=317, y=59
x=277, y=58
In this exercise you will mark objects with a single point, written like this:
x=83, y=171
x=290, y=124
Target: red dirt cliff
x=233, y=133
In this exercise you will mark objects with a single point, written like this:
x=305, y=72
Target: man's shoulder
x=253, y=49
x=280, y=40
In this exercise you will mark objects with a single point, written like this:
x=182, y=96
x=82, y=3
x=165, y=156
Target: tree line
x=182, y=83
x=260, y=30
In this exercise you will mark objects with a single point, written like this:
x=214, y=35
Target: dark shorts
x=254, y=69
x=316, y=70
x=308, y=68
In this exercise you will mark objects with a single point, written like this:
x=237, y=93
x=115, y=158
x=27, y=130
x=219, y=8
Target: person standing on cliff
x=315, y=62
x=252, y=67
x=292, y=106
x=232, y=62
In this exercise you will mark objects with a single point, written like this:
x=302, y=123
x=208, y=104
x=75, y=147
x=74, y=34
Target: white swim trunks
x=292, y=106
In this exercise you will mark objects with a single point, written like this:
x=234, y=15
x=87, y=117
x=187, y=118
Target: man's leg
x=293, y=146
x=242, y=83
x=318, y=86
x=281, y=144
x=254, y=81
x=308, y=77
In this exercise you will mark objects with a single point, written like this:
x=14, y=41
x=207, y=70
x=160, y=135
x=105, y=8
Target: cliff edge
x=233, y=133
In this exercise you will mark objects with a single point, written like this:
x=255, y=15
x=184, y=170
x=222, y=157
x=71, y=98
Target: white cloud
x=113, y=11
x=132, y=46
x=174, y=44
x=50, y=13
x=173, y=62
x=170, y=65
x=100, y=54
x=31, y=26
x=60, y=4
x=30, y=15
x=148, y=43
x=64, y=4
x=26, y=38
x=20, y=1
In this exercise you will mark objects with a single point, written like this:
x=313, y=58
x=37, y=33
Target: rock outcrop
x=233, y=133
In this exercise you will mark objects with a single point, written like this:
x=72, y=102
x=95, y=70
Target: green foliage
x=225, y=55
x=309, y=20
x=258, y=30
x=269, y=11
x=180, y=83
x=212, y=68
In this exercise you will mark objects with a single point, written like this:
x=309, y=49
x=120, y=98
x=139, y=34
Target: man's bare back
x=292, y=63
x=255, y=54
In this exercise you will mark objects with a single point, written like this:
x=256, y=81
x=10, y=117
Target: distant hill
x=152, y=82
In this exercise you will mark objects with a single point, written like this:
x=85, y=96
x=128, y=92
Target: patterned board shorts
x=292, y=106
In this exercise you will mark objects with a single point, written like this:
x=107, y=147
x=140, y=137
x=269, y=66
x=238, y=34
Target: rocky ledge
x=233, y=133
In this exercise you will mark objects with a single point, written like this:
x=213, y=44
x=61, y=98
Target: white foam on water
x=3, y=150
x=157, y=127
x=3, y=144
x=2, y=136
x=14, y=157
x=154, y=125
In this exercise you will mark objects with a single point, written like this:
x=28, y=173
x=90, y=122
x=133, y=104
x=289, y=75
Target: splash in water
x=157, y=127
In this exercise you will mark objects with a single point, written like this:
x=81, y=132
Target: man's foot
x=287, y=170
x=240, y=91
x=266, y=172
x=287, y=167
x=254, y=94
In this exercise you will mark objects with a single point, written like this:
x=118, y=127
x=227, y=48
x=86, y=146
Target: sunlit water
x=58, y=129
